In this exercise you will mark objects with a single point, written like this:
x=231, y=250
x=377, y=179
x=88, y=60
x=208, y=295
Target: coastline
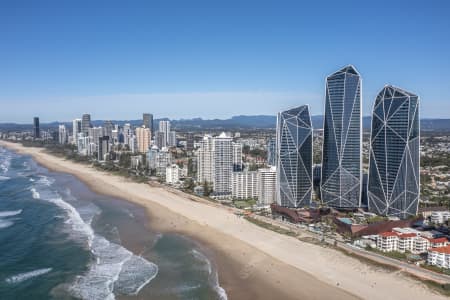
x=253, y=263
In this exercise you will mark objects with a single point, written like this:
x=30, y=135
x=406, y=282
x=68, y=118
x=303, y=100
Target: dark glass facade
x=394, y=179
x=36, y=128
x=341, y=158
x=294, y=157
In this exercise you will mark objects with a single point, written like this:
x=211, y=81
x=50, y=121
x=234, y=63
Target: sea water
x=60, y=240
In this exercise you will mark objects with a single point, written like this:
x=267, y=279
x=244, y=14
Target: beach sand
x=253, y=263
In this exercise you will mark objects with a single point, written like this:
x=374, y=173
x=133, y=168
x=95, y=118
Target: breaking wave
x=27, y=275
x=10, y=213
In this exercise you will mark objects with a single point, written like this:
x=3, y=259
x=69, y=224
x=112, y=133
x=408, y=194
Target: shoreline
x=252, y=262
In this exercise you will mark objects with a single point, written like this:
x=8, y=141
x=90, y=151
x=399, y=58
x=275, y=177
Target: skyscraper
x=164, y=126
x=62, y=134
x=267, y=182
x=86, y=124
x=271, y=152
x=223, y=165
x=103, y=147
x=341, y=153
x=237, y=157
x=294, y=157
x=394, y=179
x=147, y=120
x=76, y=129
x=143, y=136
x=36, y=129
x=205, y=160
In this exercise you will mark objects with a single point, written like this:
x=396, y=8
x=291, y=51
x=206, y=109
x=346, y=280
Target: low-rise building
x=439, y=217
x=439, y=257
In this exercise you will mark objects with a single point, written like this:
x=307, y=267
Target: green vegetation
x=376, y=219
x=270, y=226
x=244, y=203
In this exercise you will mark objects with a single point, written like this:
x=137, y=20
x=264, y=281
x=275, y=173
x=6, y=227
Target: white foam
x=2, y=178
x=115, y=268
x=10, y=213
x=215, y=279
x=5, y=223
x=35, y=194
x=46, y=181
x=27, y=275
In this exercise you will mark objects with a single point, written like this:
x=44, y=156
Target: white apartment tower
x=76, y=129
x=244, y=185
x=223, y=165
x=267, y=183
x=205, y=160
x=62, y=134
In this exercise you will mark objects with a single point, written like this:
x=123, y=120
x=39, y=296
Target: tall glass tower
x=394, y=179
x=341, y=155
x=294, y=157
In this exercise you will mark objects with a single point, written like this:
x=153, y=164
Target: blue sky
x=213, y=59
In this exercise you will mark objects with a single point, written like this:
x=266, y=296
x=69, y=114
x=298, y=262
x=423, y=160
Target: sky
x=213, y=59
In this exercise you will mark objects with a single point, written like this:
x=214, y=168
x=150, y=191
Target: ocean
x=60, y=240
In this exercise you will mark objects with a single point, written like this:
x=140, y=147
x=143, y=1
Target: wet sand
x=253, y=263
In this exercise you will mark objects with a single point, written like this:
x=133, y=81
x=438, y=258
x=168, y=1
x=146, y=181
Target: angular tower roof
x=349, y=69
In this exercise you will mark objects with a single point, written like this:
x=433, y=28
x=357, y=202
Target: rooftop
x=444, y=250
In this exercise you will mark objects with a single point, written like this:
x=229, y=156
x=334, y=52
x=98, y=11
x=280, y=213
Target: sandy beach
x=253, y=263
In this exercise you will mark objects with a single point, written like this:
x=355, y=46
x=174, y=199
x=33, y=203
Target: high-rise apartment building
x=294, y=157
x=205, y=160
x=244, y=185
x=86, y=124
x=164, y=126
x=237, y=157
x=271, y=152
x=147, y=121
x=341, y=154
x=36, y=128
x=222, y=165
x=267, y=186
x=394, y=178
x=108, y=127
x=143, y=136
x=76, y=129
x=62, y=134
x=103, y=147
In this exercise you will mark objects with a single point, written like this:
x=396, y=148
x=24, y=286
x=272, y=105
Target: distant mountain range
x=236, y=122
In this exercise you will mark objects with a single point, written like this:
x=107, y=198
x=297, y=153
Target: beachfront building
x=294, y=157
x=244, y=185
x=439, y=257
x=439, y=217
x=143, y=138
x=394, y=179
x=267, y=184
x=62, y=134
x=83, y=143
x=158, y=160
x=222, y=165
x=408, y=242
x=173, y=174
x=76, y=129
x=205, y=160
x=341, y=152
x=164, y=130
x=102, y=148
